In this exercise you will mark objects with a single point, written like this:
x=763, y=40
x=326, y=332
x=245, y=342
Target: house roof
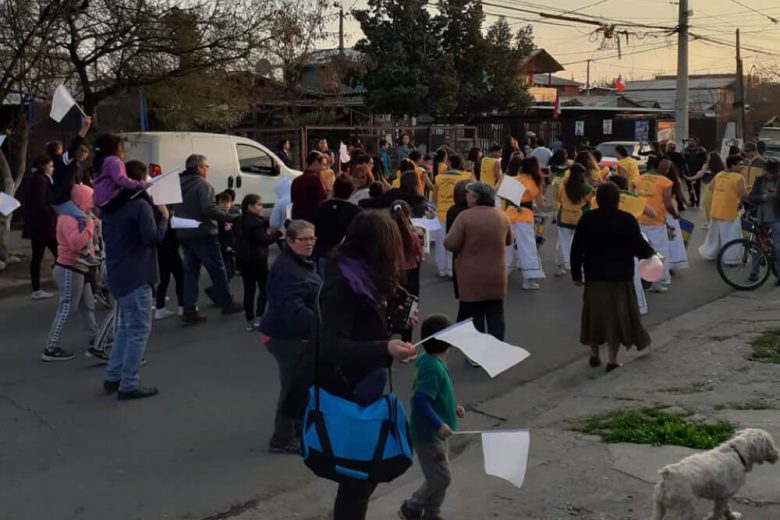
x=543, y=80
x=694, y=83
x=699, y=100
x=599, y=101
x=540, y=61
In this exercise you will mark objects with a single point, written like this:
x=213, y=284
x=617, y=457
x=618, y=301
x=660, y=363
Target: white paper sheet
x=491, y=354
x=184, y=223
x=511, y=189
x=61, y=103
x=506, y=454
x=428, y=224
x=8, y=204
x=344, y=153
x=2, y=139
x=166, y=188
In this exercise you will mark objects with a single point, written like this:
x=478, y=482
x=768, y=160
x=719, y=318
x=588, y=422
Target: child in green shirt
x=433, y=421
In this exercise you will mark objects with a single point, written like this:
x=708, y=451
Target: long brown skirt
x=610, y=314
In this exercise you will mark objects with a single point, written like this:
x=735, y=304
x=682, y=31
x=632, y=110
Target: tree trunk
x=24, y=144
x=5, y=222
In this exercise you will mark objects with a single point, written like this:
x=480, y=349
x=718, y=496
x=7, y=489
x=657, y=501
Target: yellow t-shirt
x=725, y=196
x=569, y=213
x=445, y=190
x=441, y=168
x=557, y=187
x=328, y=177
x=651, y=186
x=628, y=168
x=420, y=182
x=631, y=203
x=516, y=215
x=487, y=173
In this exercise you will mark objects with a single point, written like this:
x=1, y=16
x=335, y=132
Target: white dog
x=715, y=475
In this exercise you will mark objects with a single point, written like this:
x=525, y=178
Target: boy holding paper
x=433, y=421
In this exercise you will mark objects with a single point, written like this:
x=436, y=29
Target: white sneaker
x=161, y=314
x=561, y=272
x=180, y=311
x=705, y=226
x=658, y=288
x=530, y=285
x=41, y=295
x=11, y=260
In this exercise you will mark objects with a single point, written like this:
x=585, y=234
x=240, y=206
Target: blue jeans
x=776, y=247
x=135, y=324
x=206, y=253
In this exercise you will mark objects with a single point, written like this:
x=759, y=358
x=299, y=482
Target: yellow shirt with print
x=445, y=191
x=651, y=187
x=631, y=203
x=517, y=215
x=328, y=177
x=628, y=168
x=725, y=196
x=487, y=172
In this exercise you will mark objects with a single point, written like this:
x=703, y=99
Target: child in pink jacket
x=74, y=239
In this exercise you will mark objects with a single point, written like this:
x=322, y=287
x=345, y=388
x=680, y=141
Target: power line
x=773, y=19
x=617, y=56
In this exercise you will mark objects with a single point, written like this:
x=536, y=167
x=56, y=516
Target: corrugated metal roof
x=699, y=100
x=671, y=84
x=555, y=81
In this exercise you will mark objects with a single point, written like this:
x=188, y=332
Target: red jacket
x=306, y=195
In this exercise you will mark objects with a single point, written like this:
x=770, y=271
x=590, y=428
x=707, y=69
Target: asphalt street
x=199, y=449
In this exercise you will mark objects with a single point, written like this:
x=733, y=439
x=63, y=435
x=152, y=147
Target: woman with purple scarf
x=354, y=331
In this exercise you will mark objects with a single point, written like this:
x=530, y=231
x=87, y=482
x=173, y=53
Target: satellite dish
x=263, y=68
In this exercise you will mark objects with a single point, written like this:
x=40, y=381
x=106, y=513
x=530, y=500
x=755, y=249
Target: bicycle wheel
x=743, y=264
x=105, y=338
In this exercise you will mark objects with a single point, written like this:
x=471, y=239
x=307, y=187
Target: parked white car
x=235, y=162
x=637, y=150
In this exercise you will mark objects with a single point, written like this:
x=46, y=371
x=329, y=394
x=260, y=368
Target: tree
x=408, y=71
x=504, y=55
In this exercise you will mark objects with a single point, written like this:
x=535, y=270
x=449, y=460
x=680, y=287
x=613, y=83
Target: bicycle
x=105, y=337
x=746, y=263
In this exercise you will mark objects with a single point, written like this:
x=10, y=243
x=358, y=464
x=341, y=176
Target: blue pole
x=142, y=117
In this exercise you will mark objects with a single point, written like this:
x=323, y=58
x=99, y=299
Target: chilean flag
x=619, y=84
x=557, y=106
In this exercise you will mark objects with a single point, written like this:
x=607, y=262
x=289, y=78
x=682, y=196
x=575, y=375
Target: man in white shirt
x=542, y=155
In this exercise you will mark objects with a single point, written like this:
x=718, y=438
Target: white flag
x=506, y=454
x=491, y=354
x=428, y=224
x=166, y=188
x=344, y=153
x=184, y=223
x=62, y=103
x=2, y=139
x=511, y=189
x=8, y=204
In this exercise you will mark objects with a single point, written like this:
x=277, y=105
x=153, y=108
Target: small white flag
x=166, y=188
x=506, y=454
x=491, y=354
x=2, y=139
x=8, y=204
x=184, y=223
x=61, y=104
x=344, y=153
x=511, y=189
x=428, y=224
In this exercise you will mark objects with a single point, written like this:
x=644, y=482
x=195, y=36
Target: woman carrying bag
x=354, y=336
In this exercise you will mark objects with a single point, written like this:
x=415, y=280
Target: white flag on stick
x=166, y=188
x=8, y=204
x=344, y=153
x=2, y=139
x=506, y=454
x=62, y=103
x=491, y=354
x=511, y=189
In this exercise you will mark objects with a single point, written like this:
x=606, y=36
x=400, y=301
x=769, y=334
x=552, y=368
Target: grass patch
x=692, y=388
x=750, y=405
x=656, y=427
x=766, y=347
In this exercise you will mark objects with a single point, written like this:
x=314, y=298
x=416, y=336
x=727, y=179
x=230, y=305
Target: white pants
x=641, y=299
x=524, y=254
x=678, y=256
x=659, y=239
x=563, y=247
x=720, y=233
x=443, y=257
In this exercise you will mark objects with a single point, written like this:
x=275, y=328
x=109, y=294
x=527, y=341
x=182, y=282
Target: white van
x=235, y=162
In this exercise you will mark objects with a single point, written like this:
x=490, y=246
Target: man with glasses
x=201, y=245
x=307, y=191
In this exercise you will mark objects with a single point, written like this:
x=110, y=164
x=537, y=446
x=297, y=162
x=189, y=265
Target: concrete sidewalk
x=698, y=362
x=15, y=278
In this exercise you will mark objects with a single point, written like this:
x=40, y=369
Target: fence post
x=303, y=151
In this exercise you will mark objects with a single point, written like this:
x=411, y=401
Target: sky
x=649, y=51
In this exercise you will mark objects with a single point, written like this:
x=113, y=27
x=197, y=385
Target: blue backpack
x=343, y=440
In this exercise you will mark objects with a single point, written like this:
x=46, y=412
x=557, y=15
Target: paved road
x=199, y=449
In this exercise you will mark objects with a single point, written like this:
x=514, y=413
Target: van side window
x=254, y=160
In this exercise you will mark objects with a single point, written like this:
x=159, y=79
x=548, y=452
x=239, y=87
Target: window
x=254, y=160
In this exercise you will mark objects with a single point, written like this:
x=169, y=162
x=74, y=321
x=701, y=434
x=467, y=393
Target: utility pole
x=587, y=81
x=682, y=102
x=740, y=101
x=341, y=29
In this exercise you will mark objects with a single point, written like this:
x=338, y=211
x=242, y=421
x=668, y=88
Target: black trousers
x=412, y=286
x=170, y=263
x=39, y=248
x=254, y=275
x=352, y=500
x=488, y=316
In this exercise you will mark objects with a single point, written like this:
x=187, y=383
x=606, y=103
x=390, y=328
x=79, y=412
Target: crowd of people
x=350, y=247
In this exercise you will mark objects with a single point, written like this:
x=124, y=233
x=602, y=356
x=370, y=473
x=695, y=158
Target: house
x=536, y=74
x=565, y=87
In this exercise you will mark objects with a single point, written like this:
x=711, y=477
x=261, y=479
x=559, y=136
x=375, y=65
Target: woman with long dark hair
x=592, y=170
x=524, y=254
x=678, y=255
x=408, y=190
x=575, y=195
x=474, y=158
x=711, y=168
x=440, y=163
x=401, y=213
x=356, y=348
x=511, y=146
x=40, y=220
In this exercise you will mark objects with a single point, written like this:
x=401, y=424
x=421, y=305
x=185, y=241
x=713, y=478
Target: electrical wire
x=772, y=18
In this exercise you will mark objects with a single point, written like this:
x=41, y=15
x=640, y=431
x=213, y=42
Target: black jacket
x=606, y=242
x=353, y=335
x=198, y=203
x=252, y=239
x=386, y=200
x=695, y=159
x=67, y=173
x=331, y=222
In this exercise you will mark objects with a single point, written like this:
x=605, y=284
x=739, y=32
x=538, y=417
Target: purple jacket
x=111, y=179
